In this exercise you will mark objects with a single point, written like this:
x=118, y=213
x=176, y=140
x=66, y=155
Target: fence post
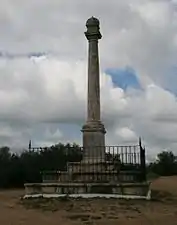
x=142, y=162
x=29, y=146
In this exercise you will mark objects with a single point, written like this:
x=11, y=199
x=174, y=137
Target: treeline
x=17, y=169
x=165, y=164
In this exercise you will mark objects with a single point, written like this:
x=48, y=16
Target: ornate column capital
x=93, y=29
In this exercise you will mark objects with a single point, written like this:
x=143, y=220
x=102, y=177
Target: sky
x=43, y=71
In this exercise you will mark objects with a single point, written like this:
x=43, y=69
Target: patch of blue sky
x=124, y=77
x=169, y=80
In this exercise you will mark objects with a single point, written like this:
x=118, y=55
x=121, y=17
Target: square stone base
x=91, y=166
x=105, y=171
x=128, y=189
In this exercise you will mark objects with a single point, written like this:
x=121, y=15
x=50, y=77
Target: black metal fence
x=109, y=163
x=113, y=163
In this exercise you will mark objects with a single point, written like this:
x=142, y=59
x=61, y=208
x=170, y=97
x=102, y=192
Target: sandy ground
x=99, y=211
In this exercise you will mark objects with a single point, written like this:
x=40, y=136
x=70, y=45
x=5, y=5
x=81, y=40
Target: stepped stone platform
x=124, y=189
x=89, y=178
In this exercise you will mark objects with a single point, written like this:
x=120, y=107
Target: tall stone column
x=93, y=130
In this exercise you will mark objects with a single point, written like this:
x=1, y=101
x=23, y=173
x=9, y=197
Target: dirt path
x=100, y=211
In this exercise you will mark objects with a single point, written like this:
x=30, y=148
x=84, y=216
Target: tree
x=165, y=165
x=15, y=170
x=5, y=157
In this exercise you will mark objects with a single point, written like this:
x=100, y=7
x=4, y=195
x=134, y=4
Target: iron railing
x=126, y=163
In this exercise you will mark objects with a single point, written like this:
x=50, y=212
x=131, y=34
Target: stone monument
x=93, y=130
x=99, y=171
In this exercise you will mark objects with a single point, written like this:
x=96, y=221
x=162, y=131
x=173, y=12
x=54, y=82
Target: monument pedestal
x=85, y=178
x=94, y=142
x=97, y=172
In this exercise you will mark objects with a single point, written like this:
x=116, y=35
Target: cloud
x=43, y=93
x=43, y=68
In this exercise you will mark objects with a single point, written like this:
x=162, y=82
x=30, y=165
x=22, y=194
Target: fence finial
x=140, y=142
x=29, y=147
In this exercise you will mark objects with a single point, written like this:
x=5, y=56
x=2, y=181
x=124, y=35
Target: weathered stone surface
x=93, y=130
x=96, y=167
x=140, y=189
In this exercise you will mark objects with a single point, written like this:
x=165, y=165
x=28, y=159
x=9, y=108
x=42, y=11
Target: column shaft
x=93, y=130
x=93, y=82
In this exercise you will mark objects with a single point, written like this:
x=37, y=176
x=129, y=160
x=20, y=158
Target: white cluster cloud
x=38, y=94
x=43, y=92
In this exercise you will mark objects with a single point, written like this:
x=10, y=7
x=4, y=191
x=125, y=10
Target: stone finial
x=93, y=22
x=93, y=29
